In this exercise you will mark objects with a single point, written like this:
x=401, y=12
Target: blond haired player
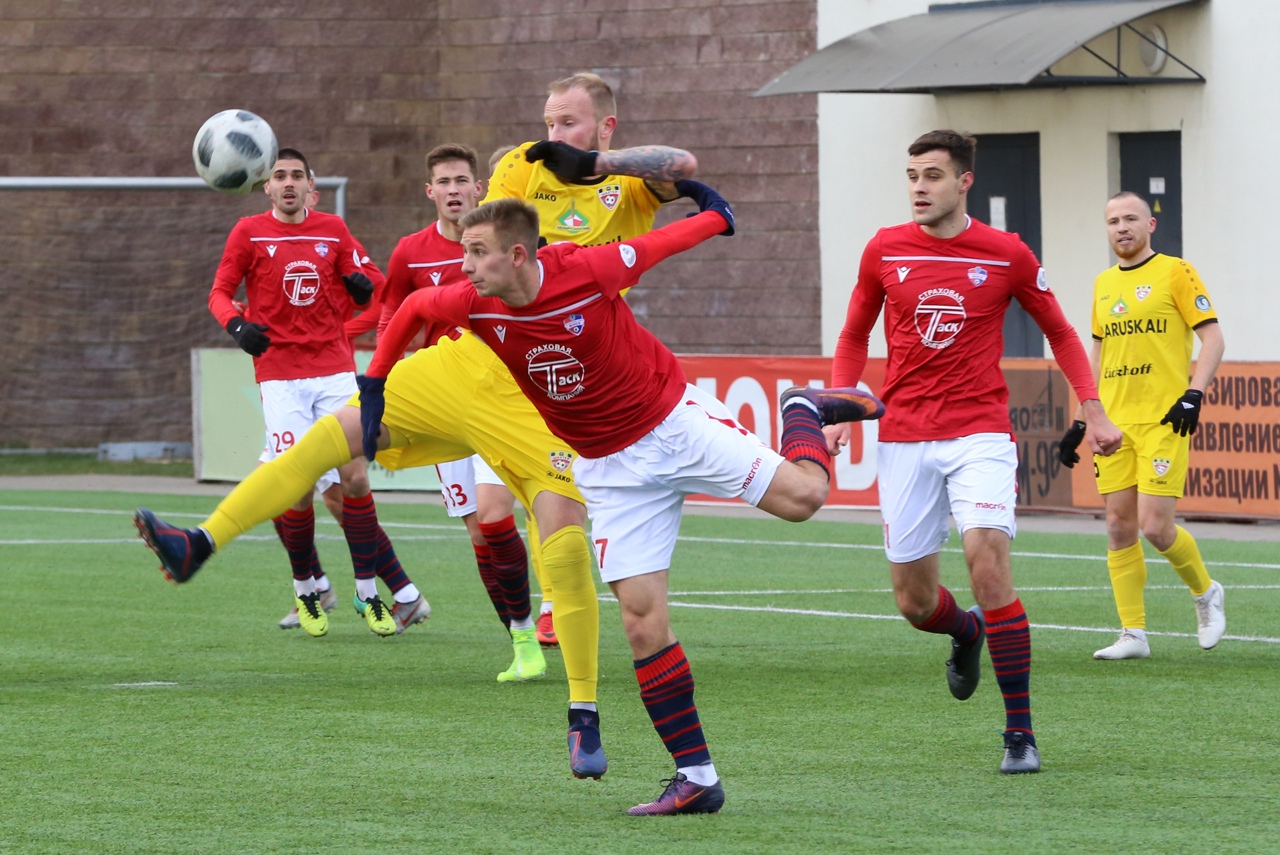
x=585, y=194
x=1145, y=310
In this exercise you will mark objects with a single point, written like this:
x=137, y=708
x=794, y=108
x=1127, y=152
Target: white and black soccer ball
x=234, y=152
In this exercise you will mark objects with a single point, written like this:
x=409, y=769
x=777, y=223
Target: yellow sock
x=1184, y=555
x=1128, y=577
x=535, y=558
x=567, y=559
x=274, y=486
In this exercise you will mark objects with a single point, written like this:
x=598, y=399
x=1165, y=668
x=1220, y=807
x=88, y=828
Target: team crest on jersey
x=977, y=276
x=610, y=195
x=322, y=249
x=574, y=323
x=561, y=460
x=1042, y=281
x=1202, y=303
x=1161, y=465
x=1120, y=307
x=572, y=220
x=1142, y=292
x=939, y=317
x=301, y=283
x=555, y=369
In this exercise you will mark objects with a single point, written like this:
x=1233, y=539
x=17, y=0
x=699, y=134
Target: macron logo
x=902, y=273
x=435, y=277
x=271, y=250
x=502, y=333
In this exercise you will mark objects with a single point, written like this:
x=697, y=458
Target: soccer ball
x=234, y=152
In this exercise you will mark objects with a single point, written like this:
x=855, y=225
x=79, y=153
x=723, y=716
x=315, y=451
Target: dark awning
x=966, y=46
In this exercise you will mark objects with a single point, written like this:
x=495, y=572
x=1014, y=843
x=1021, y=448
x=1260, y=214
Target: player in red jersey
x=644, y=435
x=946, y=444
x=303, y=277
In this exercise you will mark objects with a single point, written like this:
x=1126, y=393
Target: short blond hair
x=602, y=100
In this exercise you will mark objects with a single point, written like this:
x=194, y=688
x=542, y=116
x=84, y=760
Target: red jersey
x=293, y=283
x=944, y=324
x=600, y=380
x=424, y=259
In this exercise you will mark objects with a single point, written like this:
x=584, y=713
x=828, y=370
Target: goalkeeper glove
x=249, y=336
x=1184, y=415
x=707, y=200
x=571, y=164
x=1071, y=440
x=359, y=287
x=372, y=405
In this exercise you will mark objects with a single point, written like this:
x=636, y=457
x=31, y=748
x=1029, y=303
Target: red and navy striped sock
x=490, y=580
x=297, y=531
x=510, y=562
x=371, y=551
x=666, y=687
x=802, y=437
x=950, y=619
x=1009, y=643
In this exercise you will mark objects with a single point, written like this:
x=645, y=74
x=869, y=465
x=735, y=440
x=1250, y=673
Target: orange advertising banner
x=1234, y=470
x=1235, y=455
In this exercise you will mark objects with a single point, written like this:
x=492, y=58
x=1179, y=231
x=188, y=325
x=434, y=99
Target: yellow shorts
x=1152, y=457
x=448, y=401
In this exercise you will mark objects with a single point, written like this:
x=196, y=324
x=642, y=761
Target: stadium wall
x=105, y=291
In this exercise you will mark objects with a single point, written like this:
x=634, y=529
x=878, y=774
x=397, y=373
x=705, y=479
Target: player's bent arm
x=1212, y=347
x=222, y=300
x=865, y=304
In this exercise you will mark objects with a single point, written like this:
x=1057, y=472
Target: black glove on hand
x=372, y=405
x=249, y=336
x=571, y=164
x=359, y=287
x=1184, y=415
x=1071, y=440
x=707, y=200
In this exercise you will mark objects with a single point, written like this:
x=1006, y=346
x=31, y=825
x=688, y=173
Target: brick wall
x=105, y=292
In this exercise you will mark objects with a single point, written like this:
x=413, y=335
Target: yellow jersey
x=1144, y=317
x=610, y=209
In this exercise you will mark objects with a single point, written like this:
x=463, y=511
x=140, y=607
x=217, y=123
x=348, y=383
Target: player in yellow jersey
x=581, y=206
x=1145, y=310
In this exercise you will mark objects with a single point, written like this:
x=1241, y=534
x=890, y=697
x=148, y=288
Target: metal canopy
x=973, y=46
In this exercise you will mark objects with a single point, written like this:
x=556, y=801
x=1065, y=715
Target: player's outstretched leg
x=837, y=404
x=181, y=551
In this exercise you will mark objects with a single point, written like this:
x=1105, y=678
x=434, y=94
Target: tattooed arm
x=659, y=165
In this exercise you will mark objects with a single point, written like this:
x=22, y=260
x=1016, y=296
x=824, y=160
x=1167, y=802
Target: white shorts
x=291, y=407
x=635, y=496
x=458, y=480
x=972, y=478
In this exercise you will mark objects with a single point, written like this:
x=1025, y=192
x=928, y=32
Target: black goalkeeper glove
x=372, y=405
x=1071, y=440
x=571, y=164
x=250, y=337
x=1184, y=415
x=707, y=200
x=359, y=287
